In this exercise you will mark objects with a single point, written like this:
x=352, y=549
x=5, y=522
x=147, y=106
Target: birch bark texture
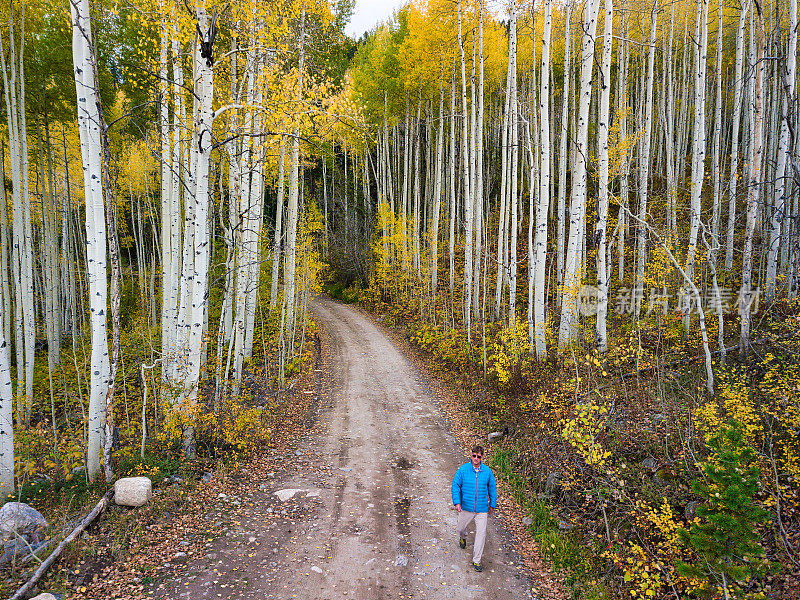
x=91, y=155
x=754, y=185
x=539, y=343
x=6, y=420
x=572, y=265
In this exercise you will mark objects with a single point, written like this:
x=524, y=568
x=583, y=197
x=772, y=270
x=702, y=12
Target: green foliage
x=339, y=291
x=73, y=491
x=562, y=548
x=156, y=465
x=726, y=533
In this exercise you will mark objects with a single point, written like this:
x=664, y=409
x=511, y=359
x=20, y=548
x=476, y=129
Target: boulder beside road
x=18, y=518
x=133, y=491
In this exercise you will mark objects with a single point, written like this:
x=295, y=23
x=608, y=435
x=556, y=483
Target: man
x=475, y=497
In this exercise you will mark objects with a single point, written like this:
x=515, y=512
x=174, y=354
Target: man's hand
x=491, y=510
x=458, y=507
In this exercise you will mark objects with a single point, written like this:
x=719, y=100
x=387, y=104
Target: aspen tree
x=417, y=200
x=602, y=203
x=669, y=131
x=451, y=161
x=782, y=182
x=168, y=297
x=563, y=146
x=531, y=140
x=572, y=263
x=6, y=421
x=22, y=238
x=540, y=240
x=478, y=193
x=622, y=108
x=513, y=163
x=173, y=261
x=468, y=200
x=197, y=234
x=5, y=287
x=255, y=208
x=644, y=167
x=716, y=142
x=734, y=167
x=754, y=185
x=699, y=133
x=278, y=236
x=91, y=147
x=437, y=200
x=292, y=208
x=502, y=221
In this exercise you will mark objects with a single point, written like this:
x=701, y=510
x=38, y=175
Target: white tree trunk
x=468, y=200
x=451, y=161
x=437, y=202
x=644, y=167
x=782, y=182
x=21, y=239
x=754, y=188
x=278, y=239
x=699, y=142
x=513, y=203
x=737, y=102
x=169, y=298
x=540, y=239
x=622, y=106
x=602, y=203
x=502, y=221
x=6, y=420
x=561, y=215
x=289, y=283
x=202, y=141
x=572, y=264
x=90, y=136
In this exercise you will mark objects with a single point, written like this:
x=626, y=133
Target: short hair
x=477, y=449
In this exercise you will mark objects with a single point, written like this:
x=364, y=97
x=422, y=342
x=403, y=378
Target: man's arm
x=492, y=491
x=455, y=489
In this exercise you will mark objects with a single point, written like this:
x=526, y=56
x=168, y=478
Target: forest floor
x=369, y=514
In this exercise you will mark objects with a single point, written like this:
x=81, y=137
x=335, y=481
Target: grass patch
x=565, y=550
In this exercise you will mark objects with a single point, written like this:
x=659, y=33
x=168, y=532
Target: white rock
x=133, y=491
x=284, y=495
x=316, y=569
x=20, y=518
x=401, y=560
x=45, y=596
x=312, y=494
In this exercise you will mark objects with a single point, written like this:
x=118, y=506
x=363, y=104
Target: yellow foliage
x=583, y=430
x=510, y=348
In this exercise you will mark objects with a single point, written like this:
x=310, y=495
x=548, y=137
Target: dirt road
x=363, y=510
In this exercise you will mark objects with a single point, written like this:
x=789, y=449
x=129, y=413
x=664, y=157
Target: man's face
x=476, y=459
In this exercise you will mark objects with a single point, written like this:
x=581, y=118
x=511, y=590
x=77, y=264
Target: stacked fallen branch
x=87, y=520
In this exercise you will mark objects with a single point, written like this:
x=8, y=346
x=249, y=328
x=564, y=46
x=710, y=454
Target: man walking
x=474, y=496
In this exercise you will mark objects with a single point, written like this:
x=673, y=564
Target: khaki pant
x=464, y=519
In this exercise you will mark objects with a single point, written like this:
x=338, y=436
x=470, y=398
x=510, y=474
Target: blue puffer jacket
x=475, y=492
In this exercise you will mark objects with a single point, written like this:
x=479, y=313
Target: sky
x=370, y=12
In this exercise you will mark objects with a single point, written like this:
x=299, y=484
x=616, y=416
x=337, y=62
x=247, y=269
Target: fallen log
x=99, y=507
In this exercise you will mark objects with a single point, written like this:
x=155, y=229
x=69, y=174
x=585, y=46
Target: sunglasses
x=477, y=456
